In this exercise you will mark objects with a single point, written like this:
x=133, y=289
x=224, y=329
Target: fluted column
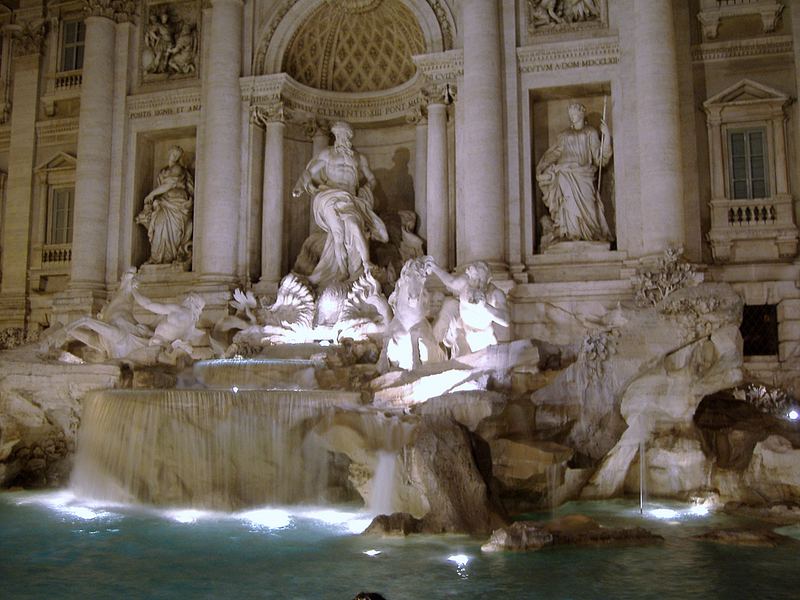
x=661, y=167
x=217, y=238
x=420, y=120
x=481, y=209
x=93, y=171
x=274, y=194
x=437, y=184
x=16, y=218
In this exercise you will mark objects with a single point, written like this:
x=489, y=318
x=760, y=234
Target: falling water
x=552, y=474
x=382, y=492
x=203, y=448
x=642, y=476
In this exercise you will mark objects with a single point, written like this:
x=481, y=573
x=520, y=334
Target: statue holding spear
x=568, y=176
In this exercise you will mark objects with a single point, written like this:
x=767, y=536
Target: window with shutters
x=59, y=216
x=73, y=34
x=749, y=175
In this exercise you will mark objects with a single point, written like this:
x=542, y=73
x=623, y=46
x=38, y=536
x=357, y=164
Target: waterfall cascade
x=205, y=448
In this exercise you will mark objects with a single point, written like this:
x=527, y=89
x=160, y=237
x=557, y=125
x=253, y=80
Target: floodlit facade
x=169, y=136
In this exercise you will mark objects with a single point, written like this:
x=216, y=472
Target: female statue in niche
x=167, y=213
x=567, y=176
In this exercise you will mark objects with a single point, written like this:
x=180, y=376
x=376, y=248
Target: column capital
x=28, y=37
x=273, y=112
x=418, y=115
x=116, y=10
x=440, y=92
x=315, y=126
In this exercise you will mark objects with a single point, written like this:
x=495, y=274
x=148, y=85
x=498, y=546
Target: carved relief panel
x=170, y=41
x=556, y=16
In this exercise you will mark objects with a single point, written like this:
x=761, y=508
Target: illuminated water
x=52, y=546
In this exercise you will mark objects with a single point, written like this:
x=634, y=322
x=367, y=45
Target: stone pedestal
x=576, y=261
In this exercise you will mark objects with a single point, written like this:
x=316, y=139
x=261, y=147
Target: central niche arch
x=355, y=46
x=288, y=32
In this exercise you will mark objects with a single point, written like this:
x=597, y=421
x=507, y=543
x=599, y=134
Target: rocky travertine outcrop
x=744, y=537
x=574, y=530
x=39, y=416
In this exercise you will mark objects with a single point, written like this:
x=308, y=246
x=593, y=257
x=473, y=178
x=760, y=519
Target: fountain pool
x=54, y=545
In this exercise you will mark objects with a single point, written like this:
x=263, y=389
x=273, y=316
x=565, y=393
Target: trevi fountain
x=273, y=366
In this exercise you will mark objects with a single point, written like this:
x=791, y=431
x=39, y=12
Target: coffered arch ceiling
x=351, y=46
x=355, y=46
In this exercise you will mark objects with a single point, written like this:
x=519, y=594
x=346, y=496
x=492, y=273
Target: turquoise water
x=53, y=546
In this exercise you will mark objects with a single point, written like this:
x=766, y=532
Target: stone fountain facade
x=170, y=194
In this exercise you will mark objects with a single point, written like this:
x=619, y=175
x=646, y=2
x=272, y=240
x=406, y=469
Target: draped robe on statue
x=568, y=172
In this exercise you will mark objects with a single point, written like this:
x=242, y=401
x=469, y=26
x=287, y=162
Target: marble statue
x=115, y=333
x=176, y=330
x=341, y=182
x=550, y=13
x=158, y=39
x=171, y=45
x=567, y=176
x=183, y=53
x=467, y=321
x=409, y=340
x=167, y=213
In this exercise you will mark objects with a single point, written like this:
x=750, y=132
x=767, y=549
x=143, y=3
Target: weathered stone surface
x=781, y=513
x=453, y=483
x=574, y=530
x=774, y=470
x=522, y=535
x=513, y=461
x=468, y=408
x=744, y=537
x=40, y=408
x=396, y=524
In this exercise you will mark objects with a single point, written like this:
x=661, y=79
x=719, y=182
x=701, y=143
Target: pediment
x=60, y=161
x=747, y=91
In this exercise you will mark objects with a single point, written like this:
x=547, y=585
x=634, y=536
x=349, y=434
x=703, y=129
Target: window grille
x=760, y=329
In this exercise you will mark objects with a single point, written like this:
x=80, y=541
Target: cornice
x=764, y=46
x=57, y=131
x=301, y=102
x=560, y=56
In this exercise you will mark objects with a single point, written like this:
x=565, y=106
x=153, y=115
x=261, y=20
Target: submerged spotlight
x=235, y=389
x=461, y=560
x=664, y=513
x=793, y=415
x=372, y=552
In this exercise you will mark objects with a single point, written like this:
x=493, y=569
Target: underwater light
x=235, y=389
x=184, y=516
x=461, y=560
x=269, y=518
x=793, y=415
x=664, y=513
x=371, y=552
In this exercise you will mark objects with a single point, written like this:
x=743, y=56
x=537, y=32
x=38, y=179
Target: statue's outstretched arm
x=306, y=181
